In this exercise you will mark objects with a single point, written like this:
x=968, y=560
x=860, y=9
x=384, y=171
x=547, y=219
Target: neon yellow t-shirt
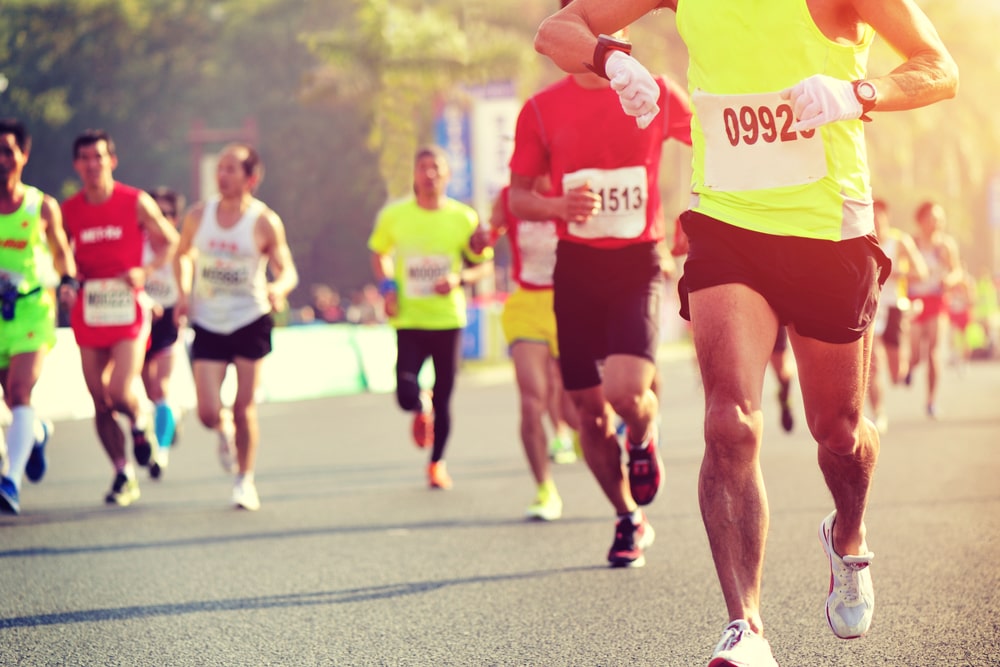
x=427, y=245
x=748, y=168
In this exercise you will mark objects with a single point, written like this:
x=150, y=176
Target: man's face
x=12, y=160
x=230, y=177
x=430, y=175
x=94, y=164
x=932, y=220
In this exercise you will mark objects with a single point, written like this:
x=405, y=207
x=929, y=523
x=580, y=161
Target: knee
x=732, y=431
x=839, y=435
x=624, y=402
x=408, y=395
x=208, y=415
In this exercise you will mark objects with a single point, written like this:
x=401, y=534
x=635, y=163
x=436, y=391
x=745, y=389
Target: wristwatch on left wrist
x=867, y=95
x=605, y=45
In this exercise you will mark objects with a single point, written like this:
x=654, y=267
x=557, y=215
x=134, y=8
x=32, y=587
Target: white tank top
x=230, y=273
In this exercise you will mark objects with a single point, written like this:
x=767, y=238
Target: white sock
x=20, y=440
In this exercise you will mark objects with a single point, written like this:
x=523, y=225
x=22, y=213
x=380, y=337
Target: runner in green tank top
x=32, y=244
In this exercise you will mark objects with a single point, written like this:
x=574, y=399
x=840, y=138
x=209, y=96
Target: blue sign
x=452, y=133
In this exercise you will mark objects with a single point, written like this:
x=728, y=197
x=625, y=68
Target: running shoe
x=227, y=443
x=9, y=501
x=37, y=463
x=644, y=466
x=124, y=490
x=547, y=506
x=851, y=603
x=423, y=423
x=562, y=450
x=245, y=495
x=159, y=461
x=630, y=541
x=787, y=421
x=742, y=647
x=143, y=442
x=437, y=476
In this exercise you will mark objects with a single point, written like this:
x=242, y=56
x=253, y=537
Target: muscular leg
x=248, y=374
x=531, y=368
x=95, y=363
x=126, y=365
x=833, y=380
x=600, y=447
x=208, y=377
x=734, y=331
x=628, y=385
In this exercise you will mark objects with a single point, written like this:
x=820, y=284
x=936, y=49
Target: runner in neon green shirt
x=422, y=258
x=31, y=240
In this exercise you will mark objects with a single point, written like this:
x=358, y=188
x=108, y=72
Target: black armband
x=70, y=281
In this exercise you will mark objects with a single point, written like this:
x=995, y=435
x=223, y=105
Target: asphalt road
x=353, y=561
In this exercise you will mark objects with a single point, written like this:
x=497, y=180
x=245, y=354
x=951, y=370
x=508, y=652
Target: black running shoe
x=630, y=541
x=143, y=441
x=124, y=491
x=644, y=466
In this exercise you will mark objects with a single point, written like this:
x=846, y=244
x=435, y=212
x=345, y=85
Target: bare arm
x=526, y=203
x=914, y=260
x=162, y=236
x=184, y=259
x=928, y=73
x=55, y=234
x=279, y=256
x=569, y=36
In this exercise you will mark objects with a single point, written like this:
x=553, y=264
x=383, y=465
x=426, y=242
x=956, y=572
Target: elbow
x=543, y=37
x=949, y=74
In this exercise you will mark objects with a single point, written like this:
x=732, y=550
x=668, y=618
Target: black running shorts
x=250, y=342
x=827, y=290
x=606, y=302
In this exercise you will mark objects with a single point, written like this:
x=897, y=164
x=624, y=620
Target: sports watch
x=606, y=44
x=866, y=93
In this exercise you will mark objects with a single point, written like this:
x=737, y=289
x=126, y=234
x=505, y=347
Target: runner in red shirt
x=107, y=223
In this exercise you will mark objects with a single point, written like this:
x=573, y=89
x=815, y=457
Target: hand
x=637, y=89
x=821, y=99
x=390, y=303
x=480, y=239
x=445, y=284
x=276, y=297
x=136, y=277
x=581, y=204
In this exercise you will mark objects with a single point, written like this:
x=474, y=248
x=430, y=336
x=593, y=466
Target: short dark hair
x=21, y=135
x=925, y=208
x=252, y=164
x=431, y=150
x=880, y=205
x=90, y=137
x=170, y=196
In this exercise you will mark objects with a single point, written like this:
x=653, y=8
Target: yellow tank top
x=749, y=169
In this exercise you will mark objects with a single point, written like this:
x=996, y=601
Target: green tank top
x=748, y=168
x=22, y=242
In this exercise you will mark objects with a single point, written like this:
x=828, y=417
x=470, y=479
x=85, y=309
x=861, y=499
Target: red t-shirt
x=576, y=135
x=107, y=241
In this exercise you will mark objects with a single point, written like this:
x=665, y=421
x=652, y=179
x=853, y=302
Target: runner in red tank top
x=107, y=223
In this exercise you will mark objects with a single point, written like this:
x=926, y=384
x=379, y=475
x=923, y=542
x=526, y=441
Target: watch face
x=866, y=91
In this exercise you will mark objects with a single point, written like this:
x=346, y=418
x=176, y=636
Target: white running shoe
x=245, y=495
x=851, y=603
x=227, y=442
x=742, y=647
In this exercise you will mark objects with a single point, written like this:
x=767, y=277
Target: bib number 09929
x=749, y=125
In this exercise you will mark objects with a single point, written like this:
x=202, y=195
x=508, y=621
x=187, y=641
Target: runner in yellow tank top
x=781, y=233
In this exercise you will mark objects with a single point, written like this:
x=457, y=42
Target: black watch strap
x=605, y=45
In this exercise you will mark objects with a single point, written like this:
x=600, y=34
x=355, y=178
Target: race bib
x=749, y=143
x=220, y=275
x=108, y=302
x=423, y=272
x=536, y=242
x=623, y=202
x=162, y=288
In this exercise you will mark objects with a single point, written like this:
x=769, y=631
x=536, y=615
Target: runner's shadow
x=288, y=600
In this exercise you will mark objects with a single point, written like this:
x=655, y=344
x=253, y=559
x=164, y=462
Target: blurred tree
x=399, y=60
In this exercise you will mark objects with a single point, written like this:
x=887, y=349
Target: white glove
x=821, y=99
x=636, y=87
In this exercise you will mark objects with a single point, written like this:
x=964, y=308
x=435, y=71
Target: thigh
x=734, y=329
x=248, y=375
x=208, y=377
x=581, y=314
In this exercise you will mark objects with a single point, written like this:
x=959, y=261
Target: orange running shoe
x=423, y=423
x=437, y=476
